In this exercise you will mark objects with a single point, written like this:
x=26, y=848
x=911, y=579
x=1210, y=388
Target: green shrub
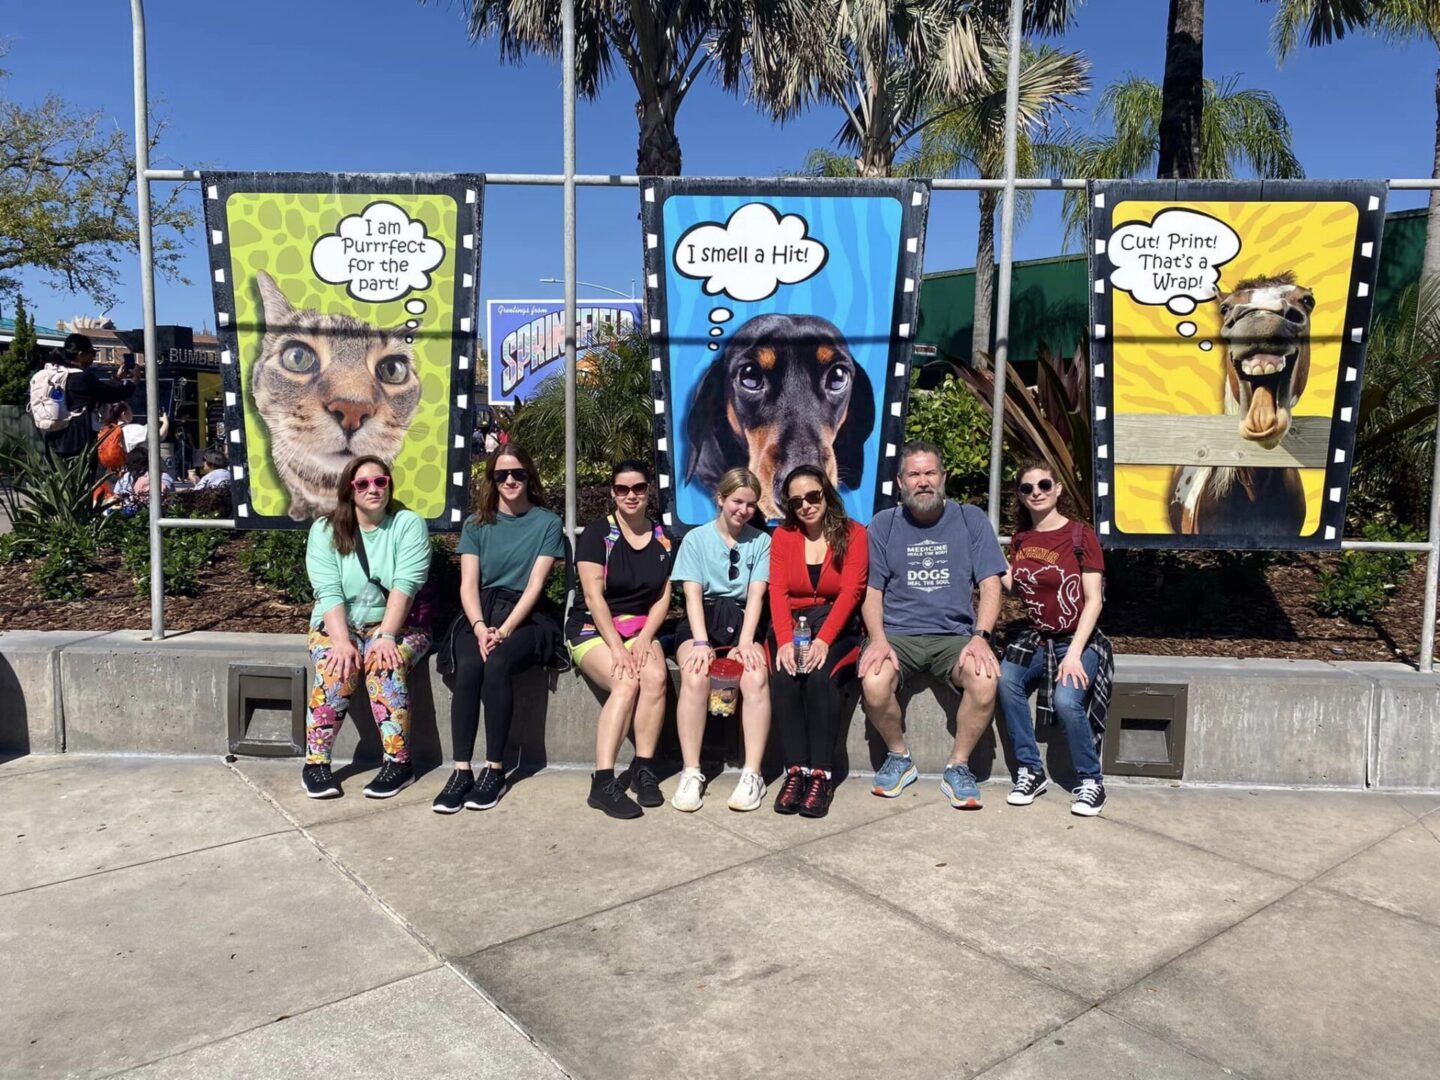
x=187, y=552
x=277, y=558
x=11, y=549
x=69, y=556
x=1360, y=587
x=951, y=418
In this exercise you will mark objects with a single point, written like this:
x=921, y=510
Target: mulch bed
x=1195, y=604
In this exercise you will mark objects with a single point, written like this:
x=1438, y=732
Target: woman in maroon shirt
x=819, y=561
x=1057, y=568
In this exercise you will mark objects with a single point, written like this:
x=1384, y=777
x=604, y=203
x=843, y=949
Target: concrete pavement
x=178, y=917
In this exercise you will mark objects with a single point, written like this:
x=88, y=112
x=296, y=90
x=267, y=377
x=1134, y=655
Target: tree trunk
x=1183, y=92
x=659, y=149
x=877, y=156
x=984, y=276
x=1431, y=264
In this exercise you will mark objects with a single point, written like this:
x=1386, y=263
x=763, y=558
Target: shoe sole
x=610, y=813
x=969, y=802
x=482, y=806
x=369, y=794
x=446, y=809
x=687, y=809
x=1081, y=810
x=328, y=793
x=747, y=809
x=1026, y=800
x=815, y=813
x=908, y=777
x=649, y=801
x=787, y=810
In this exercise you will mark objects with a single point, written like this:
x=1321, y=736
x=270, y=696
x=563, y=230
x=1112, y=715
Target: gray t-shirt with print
x=928, y=573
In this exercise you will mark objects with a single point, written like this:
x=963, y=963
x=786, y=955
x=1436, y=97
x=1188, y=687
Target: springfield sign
x=526, y=339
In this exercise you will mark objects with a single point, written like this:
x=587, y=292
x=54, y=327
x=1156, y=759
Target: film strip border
x=468, y=192
x=1102, y=196
x=914, y=198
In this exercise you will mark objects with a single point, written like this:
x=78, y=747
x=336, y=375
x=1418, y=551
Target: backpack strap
x=365, y=563
x=1077, y=540
x=611, y=537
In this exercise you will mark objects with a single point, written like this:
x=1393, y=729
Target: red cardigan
x=790, y=589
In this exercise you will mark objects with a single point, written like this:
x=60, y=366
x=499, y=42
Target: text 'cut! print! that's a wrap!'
x=781, y=316
x=346, y=310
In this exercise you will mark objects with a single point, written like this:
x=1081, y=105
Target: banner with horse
x=781, y=316
x=345, y=305
x=1228, y=331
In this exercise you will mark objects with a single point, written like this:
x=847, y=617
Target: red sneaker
x=817, y=795
x=792, y=793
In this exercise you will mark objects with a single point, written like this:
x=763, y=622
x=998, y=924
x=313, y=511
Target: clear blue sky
x=389, y=85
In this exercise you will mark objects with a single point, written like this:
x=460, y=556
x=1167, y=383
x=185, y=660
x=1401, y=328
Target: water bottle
x=801, y=639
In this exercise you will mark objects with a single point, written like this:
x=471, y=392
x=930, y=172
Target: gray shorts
x=935, y=653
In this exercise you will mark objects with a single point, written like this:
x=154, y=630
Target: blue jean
x=1016, y=684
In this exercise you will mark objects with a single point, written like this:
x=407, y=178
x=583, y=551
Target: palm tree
x=882, y=62
x=971, y=140
x=1321, y=22
x=1239, y=130
x=665, y=45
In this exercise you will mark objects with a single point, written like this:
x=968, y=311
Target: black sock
x=602, y=777
x=637, y=763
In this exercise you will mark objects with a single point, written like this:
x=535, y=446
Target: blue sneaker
x=960, y=787
x=894, y=775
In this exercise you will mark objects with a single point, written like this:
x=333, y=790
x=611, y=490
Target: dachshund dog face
x=785, y=392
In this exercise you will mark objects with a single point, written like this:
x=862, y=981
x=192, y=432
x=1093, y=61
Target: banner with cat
x=782, y=317
x=346, y=307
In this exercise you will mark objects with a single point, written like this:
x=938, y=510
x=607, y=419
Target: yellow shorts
x=579, y=649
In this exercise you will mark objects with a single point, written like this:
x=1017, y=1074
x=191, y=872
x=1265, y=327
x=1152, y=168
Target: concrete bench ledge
x=1307, y=722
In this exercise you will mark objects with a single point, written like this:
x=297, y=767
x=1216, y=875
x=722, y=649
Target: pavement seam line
x=269, y=1023
x=440, y=958
x=147, y=862
x=716, y=824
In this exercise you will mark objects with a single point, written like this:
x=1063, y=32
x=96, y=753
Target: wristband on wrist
x=700, y=643
x=385, y=635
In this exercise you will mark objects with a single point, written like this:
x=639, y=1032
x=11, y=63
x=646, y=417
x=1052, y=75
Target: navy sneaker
x=319, y=782
x=452, y=795
x=393, y=778
x=489, y=786
x=896, y=773
x=960, y=787
x=1027, y=785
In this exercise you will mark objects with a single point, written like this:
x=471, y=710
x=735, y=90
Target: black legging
x=807, y=708
x=491, y=683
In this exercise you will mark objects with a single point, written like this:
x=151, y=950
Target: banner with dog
x=781, y=319
x=1228, y=331
x=346, y=310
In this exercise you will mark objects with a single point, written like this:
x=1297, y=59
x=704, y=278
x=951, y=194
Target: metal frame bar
x=570, y=180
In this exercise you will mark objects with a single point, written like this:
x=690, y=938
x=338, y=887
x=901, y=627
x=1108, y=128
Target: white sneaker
x=690, y=794
x=749, y=792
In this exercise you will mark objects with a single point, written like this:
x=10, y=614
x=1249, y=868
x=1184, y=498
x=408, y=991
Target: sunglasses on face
x=621, y=490
x=362, y=483
x=813, y=498
x=518, y=475
x=734, y=563
x=1040, y=485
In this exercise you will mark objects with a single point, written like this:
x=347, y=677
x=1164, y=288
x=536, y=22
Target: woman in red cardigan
x=819, y=562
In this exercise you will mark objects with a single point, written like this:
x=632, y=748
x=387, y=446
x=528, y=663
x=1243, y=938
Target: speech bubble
x=1174, y=260
x=1187, y=329
x=415, y=307
x=750, y=256
x=721, y=314
x=379, y=254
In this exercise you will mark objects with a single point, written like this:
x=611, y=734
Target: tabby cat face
x=329, y=388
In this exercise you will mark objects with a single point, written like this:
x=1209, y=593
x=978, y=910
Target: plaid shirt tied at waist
x=1097, y=700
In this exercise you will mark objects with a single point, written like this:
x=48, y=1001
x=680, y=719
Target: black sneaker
x=1089, y=798
x=487, y=790
x=1027, y=785
x=452, y=795
x=319, y=783
x=611, y=798
x=646, y=786
x=393, y=778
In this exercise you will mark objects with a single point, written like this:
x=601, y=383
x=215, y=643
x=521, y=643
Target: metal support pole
x=568, y=62
x=1432, y=565
x=1007, y=265
x=147, y=301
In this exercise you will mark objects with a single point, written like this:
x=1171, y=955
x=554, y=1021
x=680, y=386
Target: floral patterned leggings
x=388, y=689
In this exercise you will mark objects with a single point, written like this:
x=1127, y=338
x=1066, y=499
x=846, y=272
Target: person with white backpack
x=65, y=394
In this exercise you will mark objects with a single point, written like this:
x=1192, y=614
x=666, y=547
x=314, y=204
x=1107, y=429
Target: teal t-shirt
x=508, y=548
x=705, y=557
x=399, y=553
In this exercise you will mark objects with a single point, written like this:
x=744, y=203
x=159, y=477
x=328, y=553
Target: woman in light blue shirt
x=366, y=566
x=724, y=570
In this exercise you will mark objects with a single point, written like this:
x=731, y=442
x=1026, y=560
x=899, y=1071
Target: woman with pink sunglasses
x=366, y=566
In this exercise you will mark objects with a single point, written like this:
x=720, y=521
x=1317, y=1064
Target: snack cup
x=725, y=685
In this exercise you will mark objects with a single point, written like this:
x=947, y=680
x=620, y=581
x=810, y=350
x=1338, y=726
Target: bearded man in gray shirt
x=927, y=556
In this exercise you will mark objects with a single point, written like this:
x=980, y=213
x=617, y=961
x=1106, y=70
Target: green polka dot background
x=278, y=233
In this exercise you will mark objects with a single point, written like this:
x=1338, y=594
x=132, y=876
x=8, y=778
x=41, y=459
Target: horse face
x=1266, y=331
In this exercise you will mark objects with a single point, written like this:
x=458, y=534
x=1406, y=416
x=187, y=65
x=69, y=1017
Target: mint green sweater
x=399, y=553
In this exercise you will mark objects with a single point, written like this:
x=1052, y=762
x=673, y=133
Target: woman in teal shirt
x=366, y=565
x=506, y=552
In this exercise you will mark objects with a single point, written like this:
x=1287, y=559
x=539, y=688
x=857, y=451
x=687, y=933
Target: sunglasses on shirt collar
x=734, y=562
